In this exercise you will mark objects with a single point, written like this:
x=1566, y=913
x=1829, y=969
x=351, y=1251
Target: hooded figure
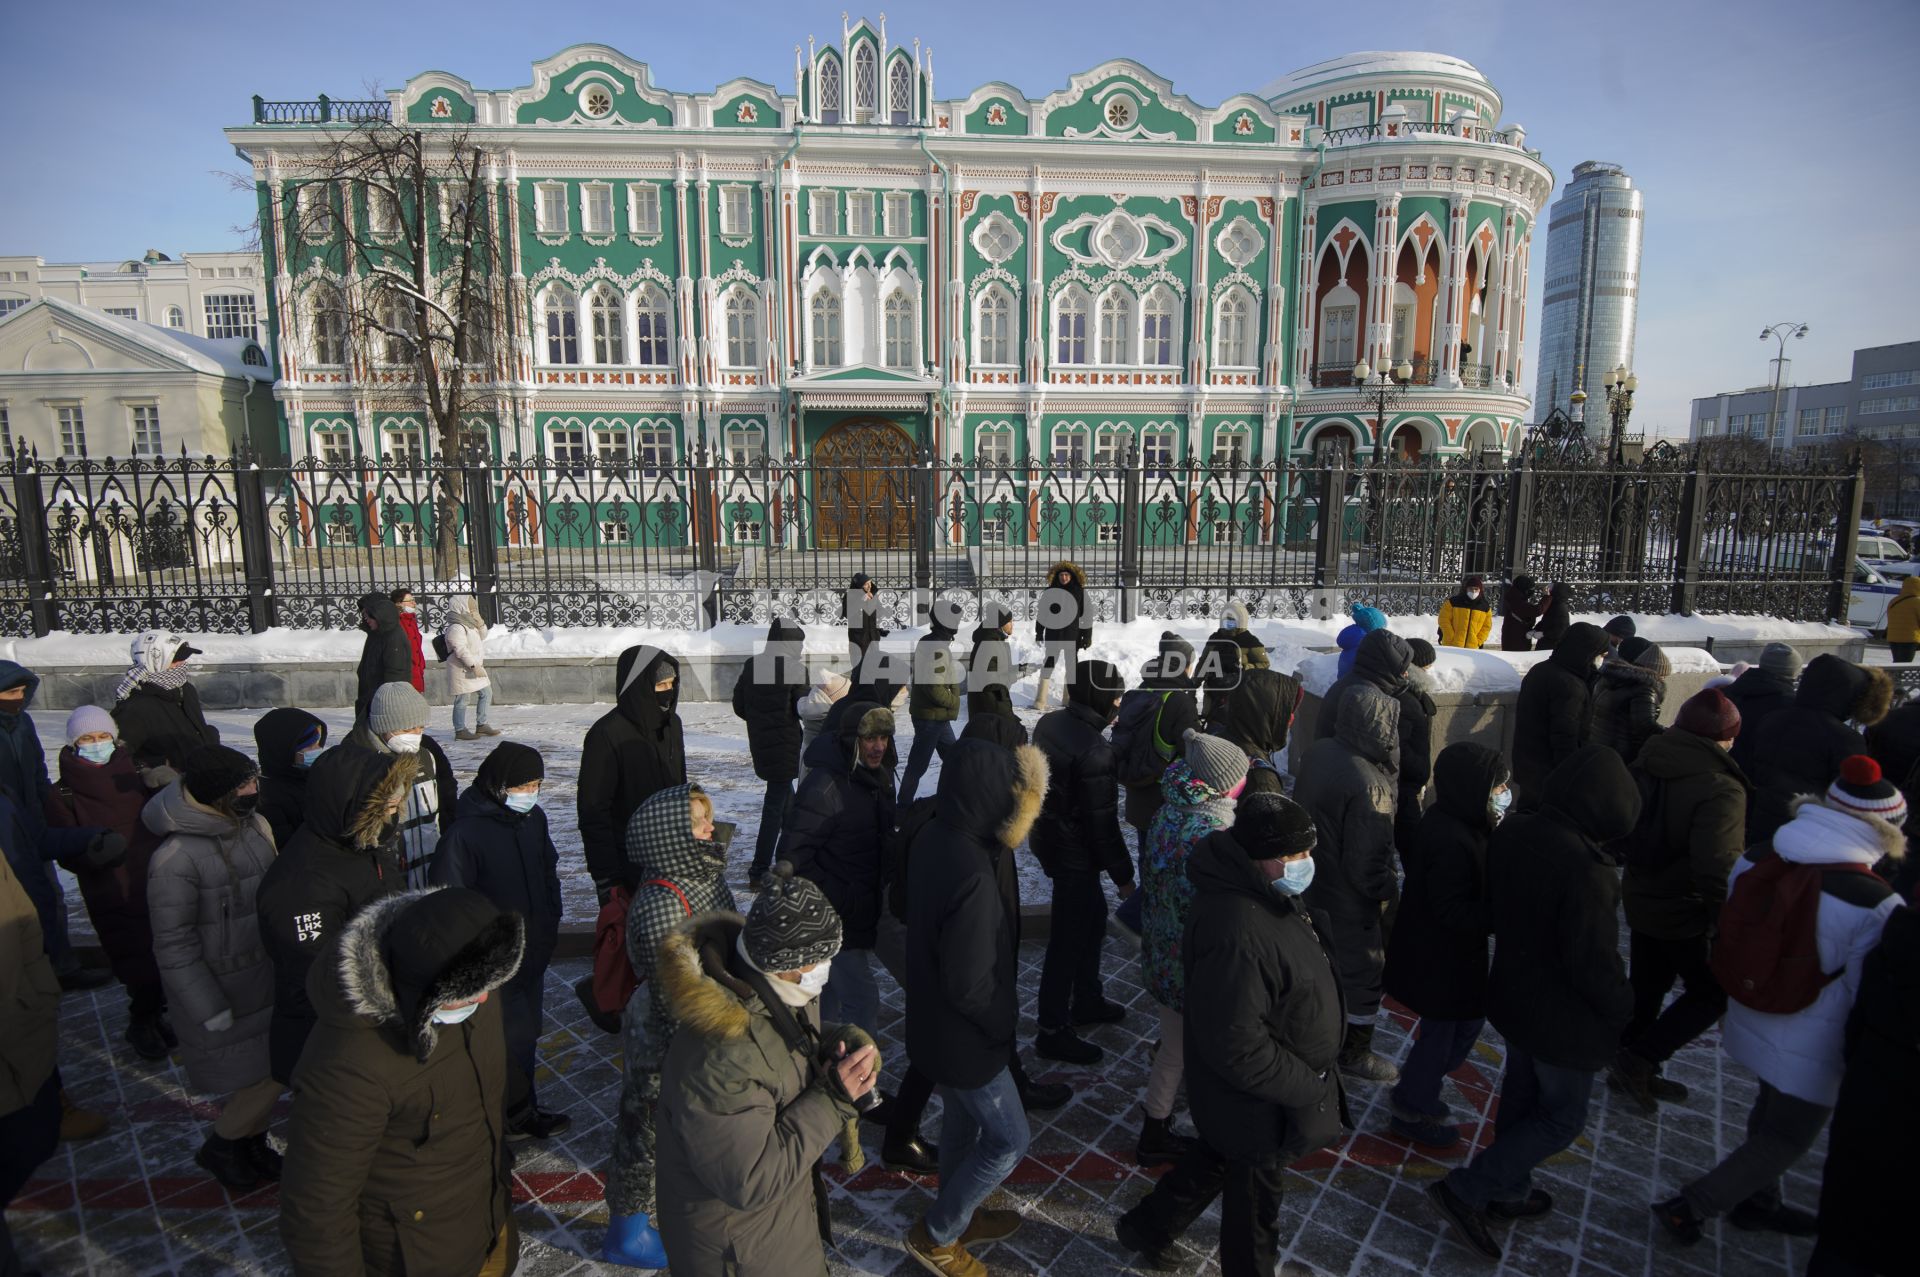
x=1229, y=650
x=1154, y=719
x=23, y=780
x=837, y=829
x=829, y=689
x=500, y=846
x=155, y=699
x=1760, y=693
x=396, y=718
x=1347, y=784
x=1520, y=609
x=1466, y=618
x=863, y=618
x=345, y=855
x=767, y=698
x=396, y=1157
x=632, y=753
x=1800, y=748
x=991, y=660
x=1365, y=621
x=1257, y=714
x=472, y=687
x=387, y=654
x=991, y=717
x=1553, y=715
x=1627, y=696
x=933, y=704
x=23, y=760
x=1556, y=618
x=286, y=741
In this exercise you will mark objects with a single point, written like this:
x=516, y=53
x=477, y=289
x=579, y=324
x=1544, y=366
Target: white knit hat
x=1860, y=790
x=87, y=720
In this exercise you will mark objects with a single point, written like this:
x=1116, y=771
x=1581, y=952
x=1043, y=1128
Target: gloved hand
x=107, y=850
x=220, y=1023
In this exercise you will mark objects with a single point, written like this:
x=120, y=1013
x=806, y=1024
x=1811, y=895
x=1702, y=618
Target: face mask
x=812, y=982
x=406, y=742
x=523, y=802
x=1295, y=878
x=454, y=1015
x=1498, y=803
x=666, y=699
x=243, y=804
x=96, y=752
x=12, y=708
x=1598, y=661
x=304, y=759
x=1473, y=594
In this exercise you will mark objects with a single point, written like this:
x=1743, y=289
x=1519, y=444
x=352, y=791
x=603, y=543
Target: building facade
x=1588, y=313
x=863, y=269
x=219, y=296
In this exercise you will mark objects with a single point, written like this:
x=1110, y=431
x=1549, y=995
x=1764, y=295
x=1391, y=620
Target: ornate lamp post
x=1620, y=385
x=1780, y=333
x=1386, y=391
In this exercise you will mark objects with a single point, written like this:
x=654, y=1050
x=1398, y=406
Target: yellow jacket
x=1465, y=622
x=1903, y=614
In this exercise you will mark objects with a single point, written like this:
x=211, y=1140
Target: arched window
x=1116, y=327
x=327, y=323
x=1159, y=345
x=176, y=318
x=1070, y=449
x=993, y=327
x=829, y=89
x=900, y=92
x=1339, y=331
x=563, y=325
x=1335, y=443
x=823, y=313
x=866, y=81
x=650, y=326
x=395, y=319
x=742, y=311
x=609, y=327
x=1233, y=330
x=898, y=330
x=1070, y=327
x=476, y=334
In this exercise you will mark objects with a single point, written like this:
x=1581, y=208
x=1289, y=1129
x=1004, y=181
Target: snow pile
x=1459, y=672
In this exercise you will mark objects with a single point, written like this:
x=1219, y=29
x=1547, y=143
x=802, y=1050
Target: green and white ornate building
x=865, y=268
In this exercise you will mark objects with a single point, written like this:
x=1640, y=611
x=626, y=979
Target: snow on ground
x=1458, y=671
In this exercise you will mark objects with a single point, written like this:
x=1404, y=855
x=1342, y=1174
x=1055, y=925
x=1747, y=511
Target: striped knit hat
x=791, y=925
x=1862, y=791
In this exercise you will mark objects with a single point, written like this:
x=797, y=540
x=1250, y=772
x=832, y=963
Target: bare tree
x=409, y=227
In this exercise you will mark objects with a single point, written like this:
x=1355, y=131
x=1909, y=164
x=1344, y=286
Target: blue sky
x=1774, y=140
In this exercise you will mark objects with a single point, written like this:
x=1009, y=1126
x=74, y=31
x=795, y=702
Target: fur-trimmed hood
x=1651, y=667
x=702, y=994
x=1070, y=567
x=990, y=793
x=1848, y=692
x=404, y=957
x=349, y=796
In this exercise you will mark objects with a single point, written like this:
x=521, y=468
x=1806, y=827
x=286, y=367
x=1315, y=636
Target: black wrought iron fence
x=234, y=544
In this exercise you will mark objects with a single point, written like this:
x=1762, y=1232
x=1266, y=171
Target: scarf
x=165, y=680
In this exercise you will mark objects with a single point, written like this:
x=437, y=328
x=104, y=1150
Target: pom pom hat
x=1862, y=791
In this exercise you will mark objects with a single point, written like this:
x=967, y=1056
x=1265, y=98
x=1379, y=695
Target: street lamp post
x=1780, y=333
x=1386, y=392
x=1620, y=385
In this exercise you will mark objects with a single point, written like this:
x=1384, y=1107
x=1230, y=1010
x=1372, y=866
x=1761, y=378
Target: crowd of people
x=344, y=923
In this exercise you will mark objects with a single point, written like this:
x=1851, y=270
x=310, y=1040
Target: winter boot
x=77, y=1123
x=1035, y=1096
x=950, y=1260
x=144, y=1036
x=1160, y=1144
x=605, y=1021
x=464, y=734
x=1631, y=1076
x=261, y=1157
x=487, y=730
x=633, y=1242
x=227, y=1161
x=1065, y=1046
x=1149, y=1254
x=1358, y=1061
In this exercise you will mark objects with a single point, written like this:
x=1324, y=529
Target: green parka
x=1700, y=795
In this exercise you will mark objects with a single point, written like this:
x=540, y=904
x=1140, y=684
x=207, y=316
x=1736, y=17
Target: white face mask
x=793, y=995
x=454, y=1015
x=406, y=742
x=1598, y=661
x=812, y=982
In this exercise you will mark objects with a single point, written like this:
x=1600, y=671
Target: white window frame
x=993, y=324
x=993, y=530
x=1110, y=445
x=224, y=312
x=866, y=81
x=616, y=532
x=900, y=92
x=333, y=446
x=897, y=215
x=314, y=205
x=746, y=444
x=327, y=326
x=176, y=318
x=993, y=447
x=740, y=310
x=123, y=312
x=1118, y=319
x=1078, y=446
x=1072, y=304
x=643, y=208
x=143, y=429
x=1232, y=446
x=1159, y=449
x=826, y=329
x=596, y=208
x=823, y=214
x=6, y=432
x=393, y=340
x=652, y=327
x=1339, y=342
x=558, y=302
x=607, y=324
x=654, y=449
x=613, y=446
x=1106, y=533
x=383, y=212
x=746, y=531
x=900, y=330
x=736, y=210
x=1163, y=306
x=567, y=448
x=830, y=89
x=551, y=216
x=1234, y=343
x=859, y=215
x=404, y=446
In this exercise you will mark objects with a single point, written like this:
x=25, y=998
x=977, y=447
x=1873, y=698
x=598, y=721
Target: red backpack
x=1767, y=953
x=614, y=981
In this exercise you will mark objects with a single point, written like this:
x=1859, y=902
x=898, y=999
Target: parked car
x=1872, y=592
x=1884, y=555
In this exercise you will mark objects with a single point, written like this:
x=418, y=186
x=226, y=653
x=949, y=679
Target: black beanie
x=792, y=924
x=509, y=765
x=214, y=771
x=1423, y=653
x=1269, y=827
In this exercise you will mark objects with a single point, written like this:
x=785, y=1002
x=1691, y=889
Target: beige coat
x=29, y=998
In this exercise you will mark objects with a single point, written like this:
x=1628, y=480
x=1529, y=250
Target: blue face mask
x=1498, y=802
x=96, y=752
x=304, y=759
x=454, y=1015
x=1295, y=878
x=523, y=802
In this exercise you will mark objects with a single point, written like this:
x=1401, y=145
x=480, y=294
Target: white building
x=220, y=296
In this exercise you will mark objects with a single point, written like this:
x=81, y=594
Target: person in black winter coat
x=1437, y=954
x=836, y=836
x=1263, y=1026
x=863, y=620
x=286, y=741
x=631, y=753
x=991, y=663
x=990, y=716
x=1801, y=747
x=1166, y=708
x=1553, y=716
x=1384, y=661
x=156, y=699
x=767, y=697
x=1627, y=696
x=1557, y=618
x=1076, y=839
x=1257, y=715
x=344, y=856
x=387, y=654
x=1760, y=693
x=1558, y=990
x=501, y=847
x=1061, y=622
x=963, y=962
x=1520, y=609
x=1864, y=1198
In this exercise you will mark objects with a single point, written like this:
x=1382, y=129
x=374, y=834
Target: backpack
x=1136, y=737
x=614, y=980
x=1645, y=845
x=441, y=648
x=1767, y=953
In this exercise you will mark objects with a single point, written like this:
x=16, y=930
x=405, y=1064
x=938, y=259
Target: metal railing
x=321, y=110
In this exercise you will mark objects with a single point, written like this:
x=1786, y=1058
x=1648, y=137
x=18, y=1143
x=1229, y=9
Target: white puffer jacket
x=466, y=652
x=1801, y=1053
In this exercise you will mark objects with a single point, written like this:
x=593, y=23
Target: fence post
x=1130, y=516
x=1332, y=518
x=1846, y=538
x=1519, y=517
x=256, y=542
x=703, y=533
x=1688, y=536
x=36, y=555
x=925, y=523
x=483, y=553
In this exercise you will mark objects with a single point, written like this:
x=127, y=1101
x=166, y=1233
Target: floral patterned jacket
x=1192, y=811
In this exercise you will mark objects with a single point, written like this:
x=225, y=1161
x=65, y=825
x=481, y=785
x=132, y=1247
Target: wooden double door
x=864, y=483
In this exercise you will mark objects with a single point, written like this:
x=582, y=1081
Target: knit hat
x=1176, y=656
x=1215, y=762
x=396, y=707
x=1709, y=713
x=1632, y=646
x=510, y=765
x=87, y=720
x=1621, y=627
x=1423, y=653
x=214, y=771
x=1862, y=791
x=1270, y=826
x=791, y=924
x=1368, y=618
x=875, y=722
x=1781, y=660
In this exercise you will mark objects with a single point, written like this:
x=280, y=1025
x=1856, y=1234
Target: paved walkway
x=133, y=1203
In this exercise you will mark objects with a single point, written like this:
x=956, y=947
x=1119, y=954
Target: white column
x=1386, y=239
x=1455, y=290
x=1307, y=281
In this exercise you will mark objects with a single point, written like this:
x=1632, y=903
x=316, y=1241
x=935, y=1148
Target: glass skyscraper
x=1593, y=289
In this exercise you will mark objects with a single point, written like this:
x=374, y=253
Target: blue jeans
x=479, y=702
x=983, y=1136
x=929, y=737
x=1543, y=1109
x=1441, y=1047
x=773, y=814
x=851, y=995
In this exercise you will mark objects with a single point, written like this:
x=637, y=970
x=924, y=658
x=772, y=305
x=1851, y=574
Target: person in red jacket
x=409, y=608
